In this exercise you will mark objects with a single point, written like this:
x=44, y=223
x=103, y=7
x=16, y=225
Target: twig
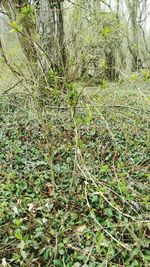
x=12, y=87
x=88, y=256
x=102, y=106
x=109, y=234
x=70, y=246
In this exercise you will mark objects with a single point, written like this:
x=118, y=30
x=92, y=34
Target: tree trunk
x=111, y=74
x=49, y=23
x=26, y=36
x=134, y=44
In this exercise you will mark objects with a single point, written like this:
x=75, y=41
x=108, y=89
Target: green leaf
x=46, y=254
x=18, y=234
x=58, y=262
x=106, y=31
x=15, y=26
x=104, y=168
x=23, y=254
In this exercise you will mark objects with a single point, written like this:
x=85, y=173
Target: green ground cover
x=99, y=212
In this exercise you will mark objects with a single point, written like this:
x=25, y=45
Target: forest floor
x=96, y=211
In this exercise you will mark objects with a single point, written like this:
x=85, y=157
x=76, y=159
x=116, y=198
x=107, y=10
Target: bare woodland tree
x=133, y=6
x=49, y=24
x=93, y=35
x=22, y=17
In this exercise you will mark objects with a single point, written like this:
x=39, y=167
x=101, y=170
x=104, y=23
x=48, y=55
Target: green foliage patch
x=98, y=214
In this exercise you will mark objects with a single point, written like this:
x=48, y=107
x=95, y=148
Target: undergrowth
x=97, y=214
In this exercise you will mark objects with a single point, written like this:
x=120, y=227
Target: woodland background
x=74, y=133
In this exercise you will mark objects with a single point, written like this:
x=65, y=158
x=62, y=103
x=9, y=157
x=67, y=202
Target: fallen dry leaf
x=50, y=189
x=32, y=208
x=5, y=263
x=80, y=229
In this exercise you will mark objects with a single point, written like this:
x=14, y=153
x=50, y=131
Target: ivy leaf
x=23, y=254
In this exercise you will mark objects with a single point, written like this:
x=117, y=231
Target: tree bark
x=13, y=9
x=134, y=44
x=49, y=24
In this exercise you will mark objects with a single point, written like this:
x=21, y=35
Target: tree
x=21, y=15
x=134, y=43
x=49, y=25
x=49, y=48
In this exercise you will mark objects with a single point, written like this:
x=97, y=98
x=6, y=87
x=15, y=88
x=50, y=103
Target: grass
x=98, y=214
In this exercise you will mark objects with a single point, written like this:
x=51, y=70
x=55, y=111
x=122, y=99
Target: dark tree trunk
x=111, y=62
